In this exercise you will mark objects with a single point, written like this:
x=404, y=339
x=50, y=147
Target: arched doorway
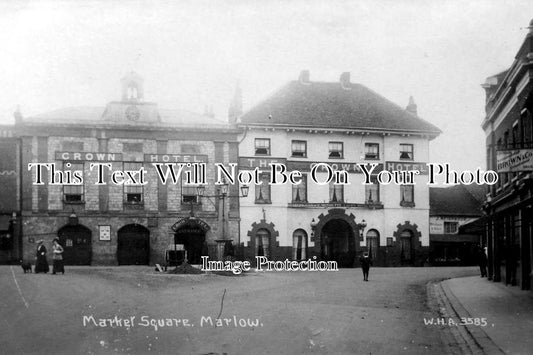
x=191, y=234
x=262, y=243
x=372, y=243
x=338, y=242
x=406, y=247
x=133, y=245
x=76, y=242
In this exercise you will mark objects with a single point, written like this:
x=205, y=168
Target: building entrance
x=76, y=243
x=133, y=247
x=338, y=243
x=192, y=237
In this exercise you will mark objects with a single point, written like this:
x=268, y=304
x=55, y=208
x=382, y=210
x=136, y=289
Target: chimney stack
x=304, y=77
x=411, y=107
x=345, y=80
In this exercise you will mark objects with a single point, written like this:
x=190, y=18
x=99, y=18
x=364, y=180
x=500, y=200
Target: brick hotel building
x=118, y=224
x=340, y=124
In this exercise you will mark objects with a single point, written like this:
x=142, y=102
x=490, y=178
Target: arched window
x=262, y=243
x=299, y=245
x=372, y=242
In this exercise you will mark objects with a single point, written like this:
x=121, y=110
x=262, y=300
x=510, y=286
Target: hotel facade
x=130, y=221
x=332, y=127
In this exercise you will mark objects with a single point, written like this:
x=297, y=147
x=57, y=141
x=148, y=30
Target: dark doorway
x=76, y=242
x=406, y=248
x=338, y=243
x=133, y=246
x=192, y=237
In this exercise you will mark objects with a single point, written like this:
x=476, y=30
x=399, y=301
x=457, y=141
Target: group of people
x=41, y=264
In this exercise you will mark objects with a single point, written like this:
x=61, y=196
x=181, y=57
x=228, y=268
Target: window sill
x=407, y=204
x=73, y=202
x=263, y=202
x=374, y=204
x=133, y=205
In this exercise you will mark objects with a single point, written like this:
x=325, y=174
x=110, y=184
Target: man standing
x=365, y=261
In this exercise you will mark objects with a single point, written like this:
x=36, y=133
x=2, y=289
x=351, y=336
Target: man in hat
x=41, y=264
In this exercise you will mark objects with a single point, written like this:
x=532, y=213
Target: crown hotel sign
x=514, y=160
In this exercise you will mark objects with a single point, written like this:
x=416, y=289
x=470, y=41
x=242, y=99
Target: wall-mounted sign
x=175, y=158
x=104, y=232
x=407, y=165
x=514, y=160
x=88, y=156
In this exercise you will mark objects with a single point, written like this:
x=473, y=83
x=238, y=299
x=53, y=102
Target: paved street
x=298, y=313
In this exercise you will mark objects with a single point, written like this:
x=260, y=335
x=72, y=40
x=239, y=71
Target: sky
x=193, y=54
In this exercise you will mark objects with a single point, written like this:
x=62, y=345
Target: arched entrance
x=133, y=245
x=191, y=233
x=406, y=251
x=336, y=237
x=338, y=242
x=76, y=242
x=407, y=240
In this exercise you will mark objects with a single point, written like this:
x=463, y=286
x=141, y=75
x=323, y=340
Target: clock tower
x=132, y=87
x=132, y=109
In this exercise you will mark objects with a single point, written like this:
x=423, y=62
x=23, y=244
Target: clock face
x=132, y=113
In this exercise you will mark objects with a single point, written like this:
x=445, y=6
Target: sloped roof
x=94, y=114
x=325, y=104
x=453, y=201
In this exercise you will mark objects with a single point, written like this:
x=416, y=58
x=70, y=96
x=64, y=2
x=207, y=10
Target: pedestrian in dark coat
x=57, y=257
x=365, y=261
x=482, y=261
x=41, y=264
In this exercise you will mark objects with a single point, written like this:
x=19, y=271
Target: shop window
x=336, y=150
x=262, y=146
x=299, y=149
x=451, y=227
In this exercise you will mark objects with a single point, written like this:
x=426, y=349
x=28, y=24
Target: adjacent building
x=130, y=221
x=333, y=126
x=451, y=208
x=509, y=142
x=10, y=246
